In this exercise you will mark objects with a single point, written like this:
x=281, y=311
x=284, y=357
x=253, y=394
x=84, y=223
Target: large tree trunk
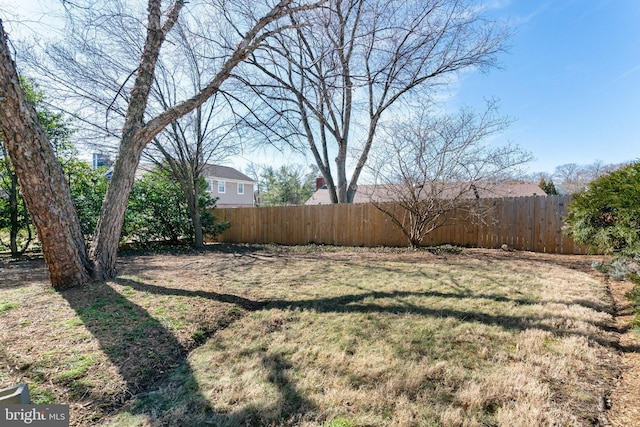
x=42, y=181
x=104, y=250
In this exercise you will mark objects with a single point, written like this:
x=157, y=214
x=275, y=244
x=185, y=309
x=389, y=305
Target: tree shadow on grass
x=22, y=272
x=364, y=302
x=289, y=409
x=153, y=364
x=245, y=303
x=137, y=345
x=156, y=378
x=357, y=304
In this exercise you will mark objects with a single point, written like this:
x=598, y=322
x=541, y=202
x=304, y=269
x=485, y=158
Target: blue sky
x=571, y=80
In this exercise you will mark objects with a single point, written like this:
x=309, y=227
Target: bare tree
x=328, y=86
x=184, y=149
x=432, y=165
x=574, y=178
x=139, y=128
x=187, y=145
x=569, y=176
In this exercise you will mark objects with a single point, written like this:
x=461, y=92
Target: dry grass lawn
x=316, y=336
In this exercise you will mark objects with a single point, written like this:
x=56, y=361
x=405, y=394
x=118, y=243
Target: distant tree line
x=572, y=178
x=284, y=186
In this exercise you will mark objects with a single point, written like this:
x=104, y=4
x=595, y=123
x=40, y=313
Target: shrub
x=158, y=211
x=88, y=187
x=606, y=215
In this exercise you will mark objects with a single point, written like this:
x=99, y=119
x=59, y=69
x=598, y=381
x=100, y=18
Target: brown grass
x=316, y=336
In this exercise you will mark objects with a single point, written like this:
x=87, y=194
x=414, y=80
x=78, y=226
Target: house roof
x=224, y=172
x=389, y=193
x=208, y=171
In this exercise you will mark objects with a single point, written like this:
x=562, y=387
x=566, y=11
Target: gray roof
x=389, y=193
x=224, y=172
x=208, y=171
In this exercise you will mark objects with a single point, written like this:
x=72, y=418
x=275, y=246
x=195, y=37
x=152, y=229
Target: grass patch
x=76, y=368
x=339, y=422
x=318, y=336
x=6, y=306
x=41, y=396
x=394, y=341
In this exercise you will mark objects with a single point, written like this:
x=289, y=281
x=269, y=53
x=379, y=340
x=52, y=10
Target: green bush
x=606, y=215
x=158, y=211
x=88, y=187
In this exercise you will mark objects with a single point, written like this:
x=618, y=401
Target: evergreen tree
x=607, y=214
x=542, y=184
x=287, y=185
x=548, y=187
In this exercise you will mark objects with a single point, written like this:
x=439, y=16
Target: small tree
x=606, y=215
x=187, y=145
x=434, y=165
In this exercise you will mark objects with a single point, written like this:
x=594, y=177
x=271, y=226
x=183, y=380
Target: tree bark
x=341, y=170
x=42, y=182
x=104, y=250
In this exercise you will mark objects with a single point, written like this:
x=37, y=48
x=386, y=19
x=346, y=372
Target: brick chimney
x=320, y=183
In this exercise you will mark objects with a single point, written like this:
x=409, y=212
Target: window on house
x=209, y=185
x=240, y=188
x=221, y=187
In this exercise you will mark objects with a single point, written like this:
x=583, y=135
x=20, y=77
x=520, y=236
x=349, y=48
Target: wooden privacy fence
x=523, y=223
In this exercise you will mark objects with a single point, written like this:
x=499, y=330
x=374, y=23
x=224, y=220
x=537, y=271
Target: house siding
x=230, y=198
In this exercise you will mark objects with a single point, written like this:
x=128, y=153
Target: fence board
x=524, y=223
